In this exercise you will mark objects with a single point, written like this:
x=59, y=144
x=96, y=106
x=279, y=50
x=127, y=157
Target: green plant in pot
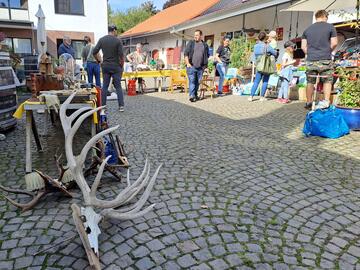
x=349, y=99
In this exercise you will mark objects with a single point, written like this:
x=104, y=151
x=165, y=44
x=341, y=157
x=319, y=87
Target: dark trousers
x=115, y=73
x=93, y=70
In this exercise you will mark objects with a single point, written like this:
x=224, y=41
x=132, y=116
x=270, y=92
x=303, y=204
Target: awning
x=16, y=24
x=314, y=5
x=243, y=8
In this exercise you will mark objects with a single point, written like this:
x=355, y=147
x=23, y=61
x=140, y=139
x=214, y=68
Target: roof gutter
x=225, y=14
x=140, y=35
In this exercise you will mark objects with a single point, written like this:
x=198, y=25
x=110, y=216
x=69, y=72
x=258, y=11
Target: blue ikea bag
x=326, y=123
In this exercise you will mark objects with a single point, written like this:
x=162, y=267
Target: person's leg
x=257, y=81
x=97, y=75
x=281, y=91
x=89, y=70
x=221, y=70
x=191, y=77
x=106, y=82
x=327, y=70
x=199, y=75
x=311, y=73
x=117, y=83
x=285, y=85
x=266, y=78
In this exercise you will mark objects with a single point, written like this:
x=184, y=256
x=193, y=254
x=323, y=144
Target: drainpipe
x=9, y=9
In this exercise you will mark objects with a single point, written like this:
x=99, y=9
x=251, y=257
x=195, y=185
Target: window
x=78, y=45
x=72, y=7
x=21, y=4
x=19, y=45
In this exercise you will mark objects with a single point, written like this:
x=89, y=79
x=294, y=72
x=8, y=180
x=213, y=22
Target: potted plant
x=349, y=99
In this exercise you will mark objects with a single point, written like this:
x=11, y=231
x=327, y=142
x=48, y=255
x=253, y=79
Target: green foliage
x=150, y=7
x=211, y=66
x=350, y=85
x=129, y=18
x=241, y=50
x=170, y=3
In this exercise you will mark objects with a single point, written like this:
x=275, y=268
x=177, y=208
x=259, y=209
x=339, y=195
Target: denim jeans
x=195, y=76
x=222, y=69
x=258, y=77
x=284, y=89
x=114, y=73
x=93, y=69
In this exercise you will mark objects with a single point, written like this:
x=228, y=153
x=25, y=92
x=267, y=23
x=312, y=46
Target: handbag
x=325, y=123
x=266, y=63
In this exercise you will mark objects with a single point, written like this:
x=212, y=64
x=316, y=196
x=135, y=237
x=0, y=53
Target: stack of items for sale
x=8, y=99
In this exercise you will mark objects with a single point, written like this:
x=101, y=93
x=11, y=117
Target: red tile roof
x=171, y=16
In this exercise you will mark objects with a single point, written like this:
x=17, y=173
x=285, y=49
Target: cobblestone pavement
x=240, y=188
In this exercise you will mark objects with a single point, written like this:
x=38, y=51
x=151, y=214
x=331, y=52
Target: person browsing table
x=112, y=64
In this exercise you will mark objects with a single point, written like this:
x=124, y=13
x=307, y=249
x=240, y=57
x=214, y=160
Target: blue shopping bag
x=326, y=123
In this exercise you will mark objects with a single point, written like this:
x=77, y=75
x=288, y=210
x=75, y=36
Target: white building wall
x=94, y=18
x=261, y=19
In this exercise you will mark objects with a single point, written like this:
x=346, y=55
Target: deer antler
x=120, y=207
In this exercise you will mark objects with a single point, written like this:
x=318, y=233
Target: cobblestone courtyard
x=240, y=188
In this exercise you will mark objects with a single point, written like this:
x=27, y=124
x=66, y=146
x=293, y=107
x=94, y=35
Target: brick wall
x=52, y=36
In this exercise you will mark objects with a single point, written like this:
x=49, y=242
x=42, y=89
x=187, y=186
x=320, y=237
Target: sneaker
x=263, y=99
x=250, y=98
x=121, y=109
x=192, y=99
x=285, y=101
x=197, y=98
x=308, y=105
x=279, y=100
x=219, y=94
x=323, y=105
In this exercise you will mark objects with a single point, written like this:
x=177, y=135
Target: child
x=286, y=72
x=272, y=40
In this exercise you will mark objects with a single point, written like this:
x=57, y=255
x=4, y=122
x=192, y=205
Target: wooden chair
x=178, y=78
x=207, y=84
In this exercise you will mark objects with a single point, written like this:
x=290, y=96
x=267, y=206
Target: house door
x=170, y=56
x=155, y=54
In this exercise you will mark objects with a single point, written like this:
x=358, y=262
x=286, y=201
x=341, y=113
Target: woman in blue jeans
x=222, y=59
x=260, y=49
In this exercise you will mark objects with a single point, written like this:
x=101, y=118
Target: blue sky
x=125, y=4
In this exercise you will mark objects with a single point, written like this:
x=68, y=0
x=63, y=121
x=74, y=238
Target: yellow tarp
x=21, y=109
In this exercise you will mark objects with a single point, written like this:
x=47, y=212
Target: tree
x=129, y=18
x=170, y=3
x=149, y=6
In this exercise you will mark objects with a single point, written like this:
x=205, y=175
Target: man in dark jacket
x=112, y=64
x=65, y=47
x=196, y=59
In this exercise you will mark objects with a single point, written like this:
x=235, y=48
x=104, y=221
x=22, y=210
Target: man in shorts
x=318, y=42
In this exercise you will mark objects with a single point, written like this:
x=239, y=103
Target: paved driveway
x=240, y=188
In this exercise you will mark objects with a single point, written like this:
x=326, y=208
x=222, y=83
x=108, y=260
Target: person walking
x=196, y=59
x=112, y=64
x=90, y=64
x=286, y=72
x=260, y=49
x=318, y=42
x=222, y=58
x=65, y=47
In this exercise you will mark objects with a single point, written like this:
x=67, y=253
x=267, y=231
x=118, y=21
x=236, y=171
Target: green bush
x=350, y=85
x=241, y=51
